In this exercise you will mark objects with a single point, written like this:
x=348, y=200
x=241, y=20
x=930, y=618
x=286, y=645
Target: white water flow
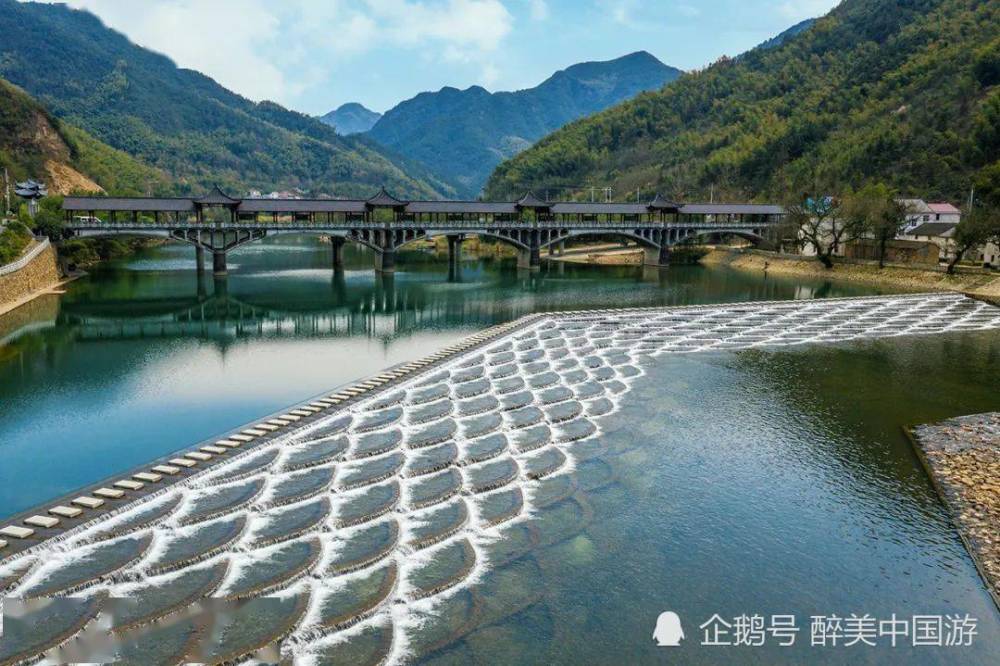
x=400, y=492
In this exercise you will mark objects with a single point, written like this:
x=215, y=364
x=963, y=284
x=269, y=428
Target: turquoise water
x=773, y=482
x=143, y=358
x=768, y=483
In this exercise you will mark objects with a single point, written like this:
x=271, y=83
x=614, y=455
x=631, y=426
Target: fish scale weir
x=342, y=521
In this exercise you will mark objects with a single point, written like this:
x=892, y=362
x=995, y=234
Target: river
x=760, y=482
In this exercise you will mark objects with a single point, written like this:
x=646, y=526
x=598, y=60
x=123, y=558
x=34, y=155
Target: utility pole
x=6, y=193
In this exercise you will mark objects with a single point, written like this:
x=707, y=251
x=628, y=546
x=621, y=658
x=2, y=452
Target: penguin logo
x=669, y=632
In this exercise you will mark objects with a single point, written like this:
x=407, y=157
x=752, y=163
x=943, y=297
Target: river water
x=771, y=482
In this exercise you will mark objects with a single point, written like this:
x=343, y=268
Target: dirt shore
x=600, y=255
x=982, y=284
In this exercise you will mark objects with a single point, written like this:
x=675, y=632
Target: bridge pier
x=455, y=249
x=385, y=261
x=199, y=258
x=338, y=253
x=219, y=262
x=656, y=256
x=531, y=258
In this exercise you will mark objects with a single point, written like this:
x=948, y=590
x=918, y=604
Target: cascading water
x=345, y=537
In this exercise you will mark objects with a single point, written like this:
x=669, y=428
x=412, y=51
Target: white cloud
x=273, y=50
x=539, y=9
x=199, y=36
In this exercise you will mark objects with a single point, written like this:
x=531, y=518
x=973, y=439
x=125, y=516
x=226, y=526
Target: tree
x=978, y=227
x=825, y=223
x=883, y=214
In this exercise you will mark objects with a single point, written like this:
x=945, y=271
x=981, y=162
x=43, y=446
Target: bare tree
x=978, y=227
x=825, y=223
x=884, y=216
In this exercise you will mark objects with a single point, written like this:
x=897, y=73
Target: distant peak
x=353, y=106
x=351, y=118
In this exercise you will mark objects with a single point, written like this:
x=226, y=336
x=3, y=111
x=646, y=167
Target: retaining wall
x=23, y=278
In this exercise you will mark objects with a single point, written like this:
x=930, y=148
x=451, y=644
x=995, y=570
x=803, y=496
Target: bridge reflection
x=380, y=309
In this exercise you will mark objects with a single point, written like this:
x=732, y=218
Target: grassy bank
x=974, y=282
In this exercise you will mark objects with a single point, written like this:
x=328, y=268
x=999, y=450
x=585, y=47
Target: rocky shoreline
x=962, y=456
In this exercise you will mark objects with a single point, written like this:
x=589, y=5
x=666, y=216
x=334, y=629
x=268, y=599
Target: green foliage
x=178, y=120
x=988, y=185
x=49, y=218
x=987, y=64
x=13, y=239
x=979, y=226
x=31, y=140
x=87, y=252
x=878, y=90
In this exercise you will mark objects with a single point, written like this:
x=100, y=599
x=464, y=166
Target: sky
x=313, y=55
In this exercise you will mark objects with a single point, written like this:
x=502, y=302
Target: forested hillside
x=461, y=135
x=900, y=91
x=179, y=120
x=33, y=144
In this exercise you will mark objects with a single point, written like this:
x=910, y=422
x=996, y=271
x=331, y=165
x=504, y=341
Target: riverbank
x=600, y=255
x=616, y=255
x=39, y=276
x=962, y=457
x=979, y=284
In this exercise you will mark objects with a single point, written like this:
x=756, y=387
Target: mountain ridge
x=900, y=91
x=351, y=118
x=462, y=134
x=177, y=119
x=34, y=144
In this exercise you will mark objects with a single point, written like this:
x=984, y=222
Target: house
x=945, y=212
x=917, y=212
x=920, y=212
x=941, y=234
x=988, y=255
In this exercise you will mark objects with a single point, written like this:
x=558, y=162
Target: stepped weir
x=341, y=526
x=218, y=223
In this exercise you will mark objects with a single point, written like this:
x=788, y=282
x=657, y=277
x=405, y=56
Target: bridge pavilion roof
x=529, y=200
x=217, y=198
x=384, y=199
x=661, y=203
x=140, y=204
x=301, y=206
x=587, y=208
x=462, y=207
x=731, y=209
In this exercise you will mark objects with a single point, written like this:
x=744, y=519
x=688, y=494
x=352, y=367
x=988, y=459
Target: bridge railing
x=15, y=266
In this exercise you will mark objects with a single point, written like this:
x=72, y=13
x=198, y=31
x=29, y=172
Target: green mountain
x=34, y=144
x=351, y=118
x=179, y=120
x=461, y=135
x=785, y=35
x=901, y=91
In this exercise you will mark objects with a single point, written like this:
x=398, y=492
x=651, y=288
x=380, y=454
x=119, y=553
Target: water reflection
x=148, y=355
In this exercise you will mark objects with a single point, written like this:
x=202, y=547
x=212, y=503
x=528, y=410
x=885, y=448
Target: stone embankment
x=979, y=283
x=962, y=456
x=37, y=277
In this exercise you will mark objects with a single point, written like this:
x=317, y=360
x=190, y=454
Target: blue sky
x=313, y=55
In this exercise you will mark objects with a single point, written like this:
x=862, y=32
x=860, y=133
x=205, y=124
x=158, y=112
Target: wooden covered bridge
x=219, y=223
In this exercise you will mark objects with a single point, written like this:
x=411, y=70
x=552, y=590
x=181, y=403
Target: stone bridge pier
x=218, y=242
